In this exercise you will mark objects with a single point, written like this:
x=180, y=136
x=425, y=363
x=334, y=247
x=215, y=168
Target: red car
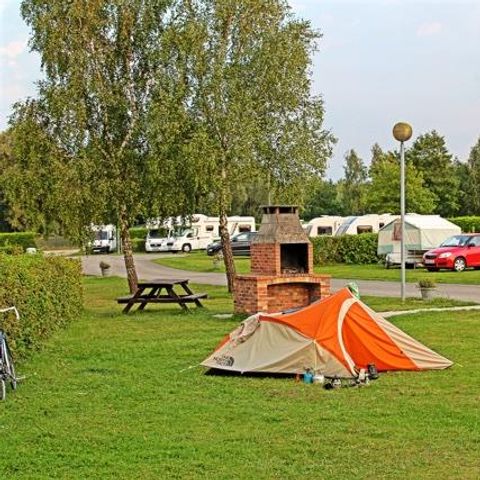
x=456, y=253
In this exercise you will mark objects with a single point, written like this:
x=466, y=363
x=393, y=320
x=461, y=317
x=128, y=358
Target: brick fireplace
x=281, y=266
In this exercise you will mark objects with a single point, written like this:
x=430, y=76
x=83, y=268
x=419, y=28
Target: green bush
x=467, y=224
x=353, y=249
x=47, y=292
x=138, y=245
x=138, y=232
x=12, y=249
x=22, y=239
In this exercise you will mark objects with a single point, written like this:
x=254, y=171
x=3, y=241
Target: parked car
x=455, y=253
x=240, y=244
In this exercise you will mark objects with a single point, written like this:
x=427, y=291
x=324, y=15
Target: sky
x=378, y=62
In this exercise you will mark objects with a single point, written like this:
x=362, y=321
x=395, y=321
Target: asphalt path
x=147, y=270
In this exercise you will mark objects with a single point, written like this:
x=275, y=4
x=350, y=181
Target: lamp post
x=402, y=132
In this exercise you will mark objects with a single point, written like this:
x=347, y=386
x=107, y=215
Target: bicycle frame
x=7, y=369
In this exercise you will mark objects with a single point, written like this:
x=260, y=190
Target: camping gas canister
x=308, y=377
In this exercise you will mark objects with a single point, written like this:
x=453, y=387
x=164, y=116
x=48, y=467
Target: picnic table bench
x=151, y=292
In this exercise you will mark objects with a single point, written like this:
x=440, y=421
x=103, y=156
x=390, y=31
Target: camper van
x=199, y=232
x=324, y=225
x=157, y=238
x=104, y=239
x=371, y=223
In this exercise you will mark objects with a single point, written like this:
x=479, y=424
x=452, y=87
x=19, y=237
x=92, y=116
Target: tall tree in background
x=249, y=196
x=323, y=200
x=429, y=155
x=378, y=156
x=103, y=62
x=465, y=192
x=8, y=217
x=246, y=66
x=32, y=171
x=383, y=194
x=353, y=186
x=473, y=183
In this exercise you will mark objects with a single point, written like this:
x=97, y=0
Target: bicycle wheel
x=13, y=378
x=10, y=367
x=3, y=389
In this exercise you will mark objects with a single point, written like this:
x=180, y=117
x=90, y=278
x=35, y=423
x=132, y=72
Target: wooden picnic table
x=151, y=292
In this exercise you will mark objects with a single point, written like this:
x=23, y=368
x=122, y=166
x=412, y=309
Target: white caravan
x=364, y=224
x=199, y=232
x=104, y=239
x=324, y=225
x=422, y=233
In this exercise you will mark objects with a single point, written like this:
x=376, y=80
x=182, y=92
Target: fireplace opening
x=294, y=258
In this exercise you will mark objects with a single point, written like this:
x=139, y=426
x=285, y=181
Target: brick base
x=275, y=293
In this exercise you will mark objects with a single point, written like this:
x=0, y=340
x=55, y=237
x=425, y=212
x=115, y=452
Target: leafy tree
x=353, y=186
x=323, y=200
x=429, y=155
x=377, y=158
x=384, y=190
x=103, y=63
x=473, y=182
x=6, y=159
x=465, y=192
x=246, y=67
x=248, y=197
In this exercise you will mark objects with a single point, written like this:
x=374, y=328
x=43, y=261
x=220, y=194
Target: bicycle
x=7, y=368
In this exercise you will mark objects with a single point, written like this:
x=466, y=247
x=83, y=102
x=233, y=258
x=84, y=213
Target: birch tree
x=246, y=67
x=103, y=62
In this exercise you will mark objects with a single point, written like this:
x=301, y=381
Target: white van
x=156, y=239
x=324, y=225
x=104, y=239
x=204, y=230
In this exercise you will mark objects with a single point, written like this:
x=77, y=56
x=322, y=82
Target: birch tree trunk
x=128, y=253
x=227, y=251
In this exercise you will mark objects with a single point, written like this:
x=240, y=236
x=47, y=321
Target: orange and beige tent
x=335, y=336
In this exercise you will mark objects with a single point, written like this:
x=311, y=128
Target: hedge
x=352, y=249
x=47, y=292
x=22, y=239
x=138, y=245
x=467, y=224
x=138, y=232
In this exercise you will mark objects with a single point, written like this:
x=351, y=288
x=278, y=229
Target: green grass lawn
x=201, y=262
x=109, y=398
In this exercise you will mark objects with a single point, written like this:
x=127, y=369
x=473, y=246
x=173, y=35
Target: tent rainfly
x=335, y=336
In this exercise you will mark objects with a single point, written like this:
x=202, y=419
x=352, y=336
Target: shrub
x=138, y=245
x=138, y=232
x=12, y=249
x=138, y=235
x=352, y=249
x=467, y=224
x=426, y=283
x=21, y=239
x=47, y=292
